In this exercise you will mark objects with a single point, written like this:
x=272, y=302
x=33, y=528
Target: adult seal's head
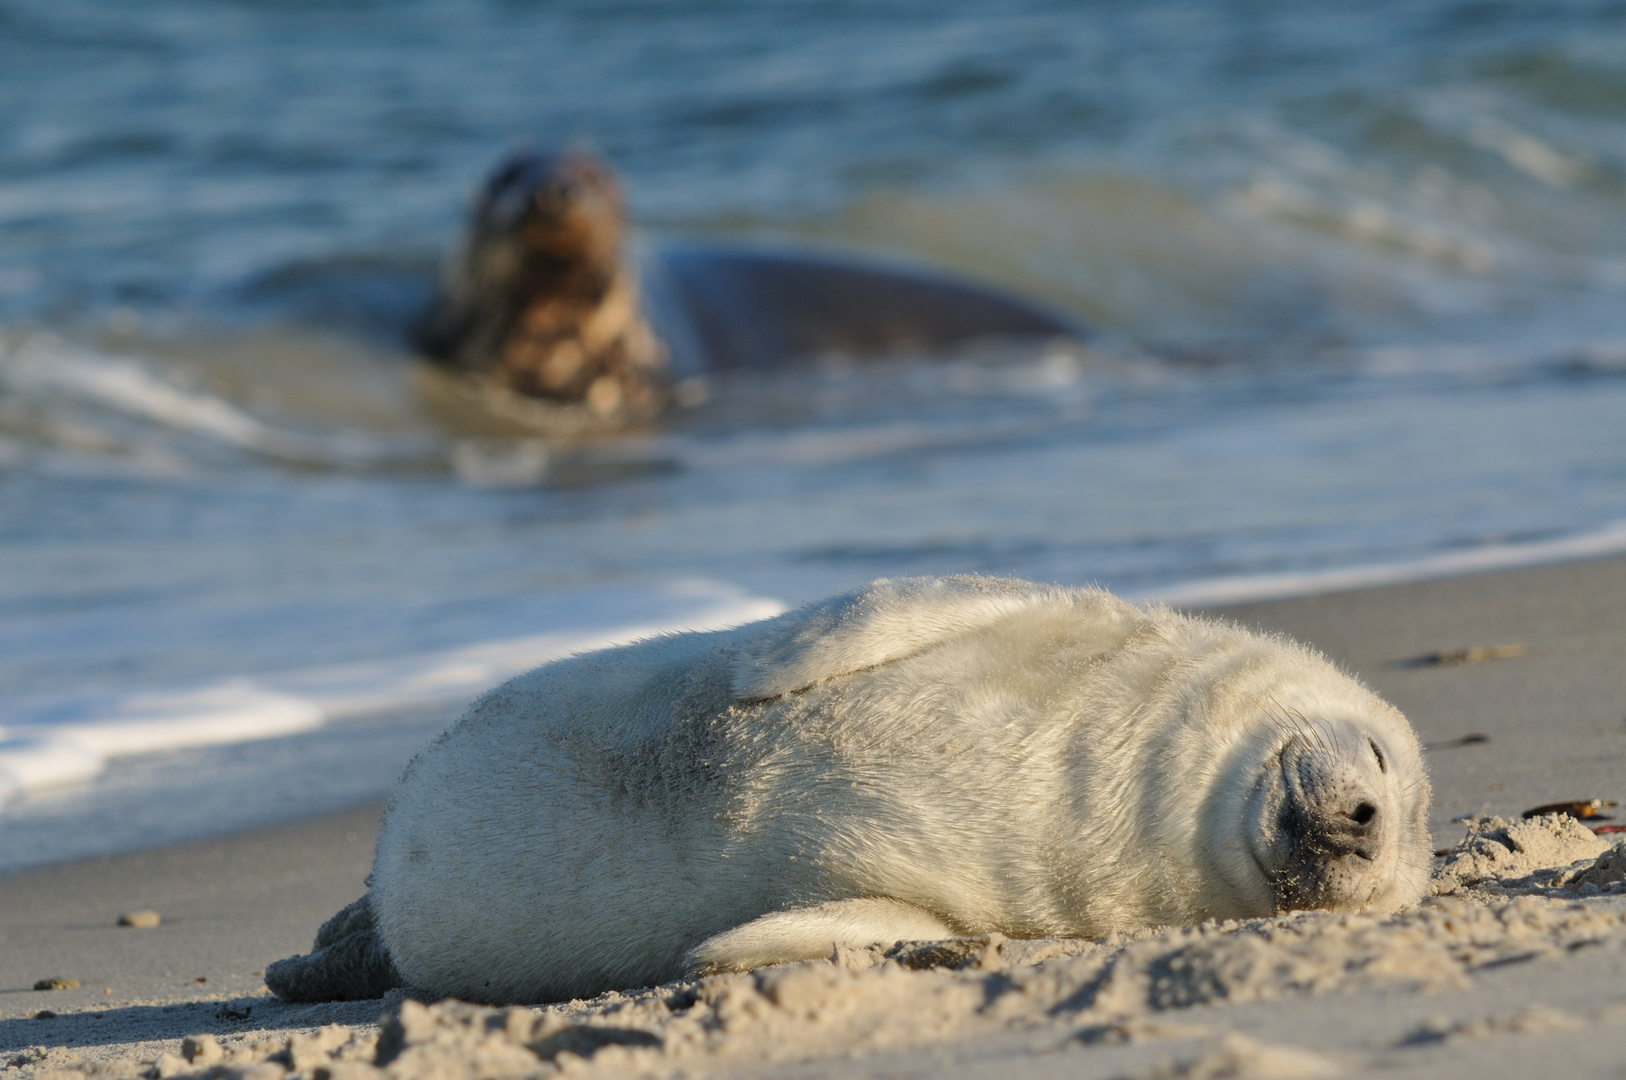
x=560, y=204
x=540, y=300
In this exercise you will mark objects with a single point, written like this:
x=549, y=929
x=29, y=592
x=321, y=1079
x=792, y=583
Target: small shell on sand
x=1476, y=654
x=1585, y=809
x=144, y=919
x=57, y=984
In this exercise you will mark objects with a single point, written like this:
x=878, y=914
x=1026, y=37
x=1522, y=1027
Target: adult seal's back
x=547, y=301
x=917, y=760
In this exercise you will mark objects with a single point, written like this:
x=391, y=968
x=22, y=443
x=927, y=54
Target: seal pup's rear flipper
x=813, y=933
x=349, y=962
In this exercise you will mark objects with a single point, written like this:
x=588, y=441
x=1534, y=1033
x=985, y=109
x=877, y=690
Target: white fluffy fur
x=916, y=759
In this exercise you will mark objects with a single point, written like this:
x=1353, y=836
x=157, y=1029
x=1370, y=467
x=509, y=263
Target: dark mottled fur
x=540, y=300
x=348, y=962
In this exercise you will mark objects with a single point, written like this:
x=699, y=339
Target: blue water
x=1359, y=273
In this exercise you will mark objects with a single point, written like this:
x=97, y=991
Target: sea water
x=1357, y=275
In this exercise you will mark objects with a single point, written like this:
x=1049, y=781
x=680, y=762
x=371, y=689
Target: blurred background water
x=1358, y=272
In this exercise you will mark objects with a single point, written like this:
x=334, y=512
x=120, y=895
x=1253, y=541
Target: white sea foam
x=46, y=370
x=51, y=742
x=47, y=363
x=1243, y=588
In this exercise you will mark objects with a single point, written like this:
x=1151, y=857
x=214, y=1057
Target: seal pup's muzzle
x=1326, y=816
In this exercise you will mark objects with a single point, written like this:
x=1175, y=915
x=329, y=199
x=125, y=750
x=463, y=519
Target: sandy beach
x=357, y=358
x=1516, y=681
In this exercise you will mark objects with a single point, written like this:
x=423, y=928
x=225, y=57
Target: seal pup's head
x=1336, y=818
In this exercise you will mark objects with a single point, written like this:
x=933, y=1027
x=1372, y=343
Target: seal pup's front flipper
x=883, y=622
x=348, y=962
x=813, y=933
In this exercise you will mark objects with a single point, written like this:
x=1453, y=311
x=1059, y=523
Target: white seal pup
x=917, y=760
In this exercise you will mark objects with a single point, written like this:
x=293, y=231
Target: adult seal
x=548, y=299
x=917, y=760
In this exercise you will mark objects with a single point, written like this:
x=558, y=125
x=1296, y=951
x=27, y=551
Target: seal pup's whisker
x=1282, y=720
x=1294, y=720
x=1309, y=726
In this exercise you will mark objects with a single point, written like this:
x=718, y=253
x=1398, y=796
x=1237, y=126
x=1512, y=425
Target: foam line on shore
x=1247, y=588
x=69, y=740
x=48, y=743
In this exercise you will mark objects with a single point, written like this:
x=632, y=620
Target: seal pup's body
x=917, y=760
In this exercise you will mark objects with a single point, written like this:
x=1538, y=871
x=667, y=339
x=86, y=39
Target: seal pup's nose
x=1328, y=822
x=1334, y=833
x=1335, y=814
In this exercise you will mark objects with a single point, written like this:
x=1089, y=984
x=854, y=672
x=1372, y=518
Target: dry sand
x=1517, y=968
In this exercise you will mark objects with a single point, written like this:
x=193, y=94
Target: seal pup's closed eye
x=919, y=759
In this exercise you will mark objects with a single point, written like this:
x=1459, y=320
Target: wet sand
x=228, y=906
x=1549, y=695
